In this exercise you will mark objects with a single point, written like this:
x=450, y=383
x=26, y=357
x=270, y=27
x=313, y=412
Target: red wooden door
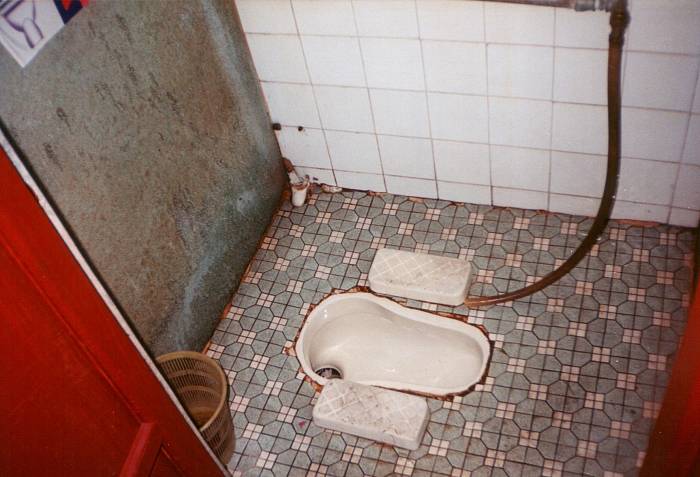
x=76, y=396
x=674, y=444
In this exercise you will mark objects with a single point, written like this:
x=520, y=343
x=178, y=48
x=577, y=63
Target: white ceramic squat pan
x=375, y=341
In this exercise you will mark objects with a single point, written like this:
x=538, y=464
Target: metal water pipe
x=578, y=5
x=619, y=19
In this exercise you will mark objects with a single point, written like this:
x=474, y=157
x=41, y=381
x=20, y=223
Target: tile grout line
x=601, y=156
x=488, y=106
x=551, y=111
x=313, y=90
x=693, y=98
x=369, y=96
x=519, y=98
x=427, y=100
x=504, y=43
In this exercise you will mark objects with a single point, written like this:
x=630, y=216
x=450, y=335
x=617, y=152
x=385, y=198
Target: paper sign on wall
x=27, y=25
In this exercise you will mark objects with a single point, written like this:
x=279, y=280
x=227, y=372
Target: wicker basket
x=202, y=387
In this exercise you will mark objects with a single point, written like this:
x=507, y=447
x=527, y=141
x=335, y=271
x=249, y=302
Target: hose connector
x=619, y=19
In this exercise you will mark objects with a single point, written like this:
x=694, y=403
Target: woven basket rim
x=214, y=364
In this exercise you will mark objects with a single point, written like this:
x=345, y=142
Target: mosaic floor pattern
x=577, y=374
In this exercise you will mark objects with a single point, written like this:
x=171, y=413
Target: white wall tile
x=451, y=20
x=508, y=23
x=471, y=194
x=664, y=26
x=401, y=113
x=569, y=204
x=407, y=156
x=355, y=152
x=462, y=162
x=411, y=186
x=455, y=67
x=659, y=81
x=393, y=63
x=524, y=199
x=466, y=156
x=334, y=60
x=460, y=118
x=520, y=122
x=278, y=58
x=578, y=174
x=393, y=19
x=324, y=17
x=580, y=76
x=304, y=148
x=691, y=152
x=520, y=71
x=580, y=128
x=581, y=29
x=688, y=188
x=347, y=109
x=266, y=16
x=649, y=134
x=291, y=104
x=684, y=217
x=635, y=211
x=647, y=181
x=519, y=168
x=319, y=176
x=360, y=181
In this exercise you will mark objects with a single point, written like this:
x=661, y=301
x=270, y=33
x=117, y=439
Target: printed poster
x=27, y=25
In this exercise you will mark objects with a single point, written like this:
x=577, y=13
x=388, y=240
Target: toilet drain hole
x=329, y=372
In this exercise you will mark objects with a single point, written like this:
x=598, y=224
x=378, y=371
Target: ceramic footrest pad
x=420, y=276
x=382, y=415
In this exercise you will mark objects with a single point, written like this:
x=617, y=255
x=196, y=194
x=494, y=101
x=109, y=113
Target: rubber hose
x=619, y=19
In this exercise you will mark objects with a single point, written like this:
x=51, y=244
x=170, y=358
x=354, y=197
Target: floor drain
x=329, y=372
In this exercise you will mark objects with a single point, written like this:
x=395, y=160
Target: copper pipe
x=545, y=3
x=580, y=5
x=619, y=18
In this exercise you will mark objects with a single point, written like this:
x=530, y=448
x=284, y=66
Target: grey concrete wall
x=144, y=122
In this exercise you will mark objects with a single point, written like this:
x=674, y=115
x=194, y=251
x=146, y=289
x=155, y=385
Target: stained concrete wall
x=144, y=122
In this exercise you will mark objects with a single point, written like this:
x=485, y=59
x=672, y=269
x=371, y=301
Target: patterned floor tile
x=576, y=377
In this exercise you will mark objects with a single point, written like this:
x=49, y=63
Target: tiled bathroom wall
x=484, y=102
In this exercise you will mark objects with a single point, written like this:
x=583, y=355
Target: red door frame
x=36, y=255
x=674, y=445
